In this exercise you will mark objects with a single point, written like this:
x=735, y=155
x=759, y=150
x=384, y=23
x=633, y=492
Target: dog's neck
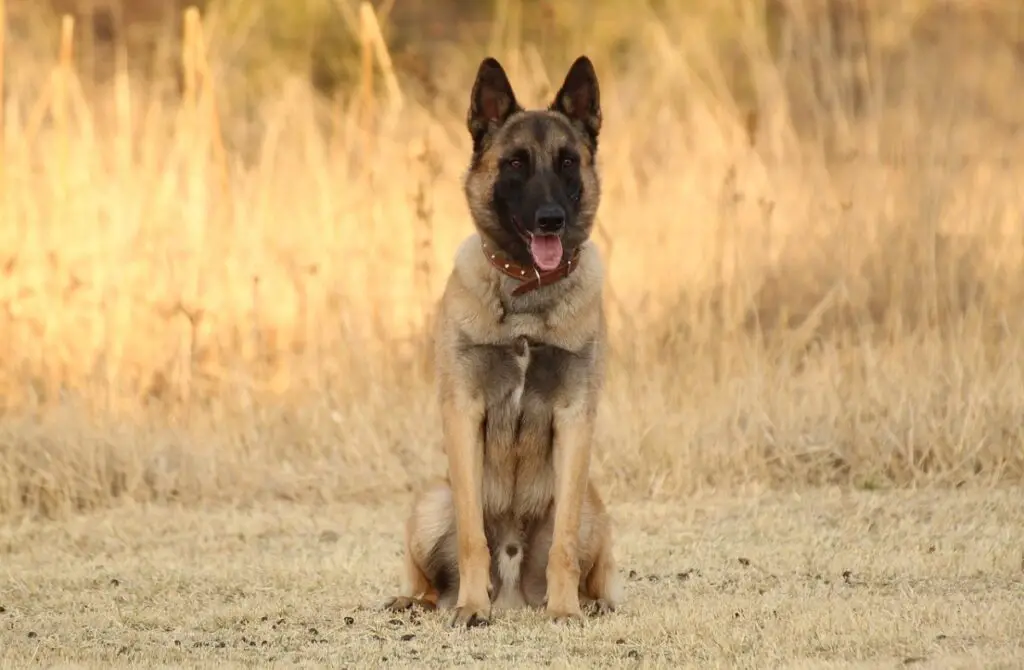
x=530, y=277
x=564, y=314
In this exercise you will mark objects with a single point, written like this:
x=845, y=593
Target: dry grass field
x=216, y=293
x=828, y=580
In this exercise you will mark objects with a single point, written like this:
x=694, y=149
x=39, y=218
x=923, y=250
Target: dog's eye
x=568, y=162
x=515, y=163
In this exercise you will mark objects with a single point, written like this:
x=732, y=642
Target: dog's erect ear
x=580, y=98
x=491, y=102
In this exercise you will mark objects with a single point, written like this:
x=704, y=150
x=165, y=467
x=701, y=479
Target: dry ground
x=820, y=579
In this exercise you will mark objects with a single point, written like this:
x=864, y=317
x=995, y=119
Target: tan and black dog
x=520, y=347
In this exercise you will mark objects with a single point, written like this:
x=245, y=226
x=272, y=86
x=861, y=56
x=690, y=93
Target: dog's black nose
x=550, y=219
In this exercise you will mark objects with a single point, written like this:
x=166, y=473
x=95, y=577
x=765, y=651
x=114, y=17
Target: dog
x=520, y=355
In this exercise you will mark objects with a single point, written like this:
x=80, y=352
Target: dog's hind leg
x=601, y=586
x=429, y=566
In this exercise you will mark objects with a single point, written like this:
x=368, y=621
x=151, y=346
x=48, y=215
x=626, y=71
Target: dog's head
x=532, y=184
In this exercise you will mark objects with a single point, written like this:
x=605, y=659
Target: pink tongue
x=546, y=251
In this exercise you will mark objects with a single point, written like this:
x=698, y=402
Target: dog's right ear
x=491, y=102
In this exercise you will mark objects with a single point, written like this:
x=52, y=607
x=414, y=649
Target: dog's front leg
x=462, y=417
x=574, y=429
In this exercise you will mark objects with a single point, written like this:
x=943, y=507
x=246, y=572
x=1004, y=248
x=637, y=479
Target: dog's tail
x=506, y=570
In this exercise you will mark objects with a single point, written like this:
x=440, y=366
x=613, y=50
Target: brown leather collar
x=531, y=277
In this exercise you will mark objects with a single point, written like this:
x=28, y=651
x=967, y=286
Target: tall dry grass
x=208, y=298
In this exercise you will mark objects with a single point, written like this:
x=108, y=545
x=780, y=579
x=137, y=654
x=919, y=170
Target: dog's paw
x=599, y=607
x=564, y=615
x=403, y=603
x=468, y=616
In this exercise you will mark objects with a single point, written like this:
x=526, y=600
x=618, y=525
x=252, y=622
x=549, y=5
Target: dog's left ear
x=579, y=99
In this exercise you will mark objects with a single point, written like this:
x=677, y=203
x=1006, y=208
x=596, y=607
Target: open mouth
x=546, y=251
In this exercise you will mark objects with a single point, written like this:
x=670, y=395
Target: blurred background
x=225, y=231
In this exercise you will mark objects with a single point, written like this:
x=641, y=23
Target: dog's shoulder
x=591, y=268
x=472, y=291
x=470, y=305
x=470, y=268
x=586, y=284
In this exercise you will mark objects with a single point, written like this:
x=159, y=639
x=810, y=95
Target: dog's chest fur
x=521, y=384
x=524, y=356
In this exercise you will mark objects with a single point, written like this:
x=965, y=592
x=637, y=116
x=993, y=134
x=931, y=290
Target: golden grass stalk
x=205, y=75
x=370, y=28
x=123, y=105
x=3, y=104
x=62, y=93
x=187, y=314
x=189, y=48
x=366, y=67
